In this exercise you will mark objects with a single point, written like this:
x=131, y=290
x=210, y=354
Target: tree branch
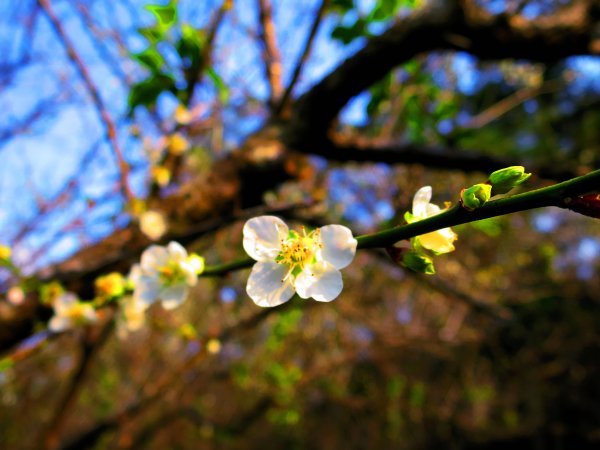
x=432, y=156
x=443, y=25
x=271, y=55
x=559, y=195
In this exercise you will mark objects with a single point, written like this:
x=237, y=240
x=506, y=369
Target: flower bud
x=476, y=196
x=418, y=262
x=5, y=252
x=196, y=262
x=110, y=286
x=504, y=180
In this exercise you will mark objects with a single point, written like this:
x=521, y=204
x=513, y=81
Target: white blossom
x=439, y=241
x=69, y=312
x=166, y=274
x=288, y=262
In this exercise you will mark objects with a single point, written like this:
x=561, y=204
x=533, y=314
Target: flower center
x=171, y=273
x=298, y=250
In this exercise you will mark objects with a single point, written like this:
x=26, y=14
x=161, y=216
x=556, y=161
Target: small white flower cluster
x=287, y=262
x=165, y=274
x=70, y=312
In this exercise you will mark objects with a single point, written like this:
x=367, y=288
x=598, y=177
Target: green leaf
x=189, y=47
x=348, y=34
x=380, y=92
x=408, y=216
x=418, y=262
x=150, y=58
x=146, y=92
x=166, y=15
x=384, y=10
x=222, y=88
x=153, y=34
x=342, y=6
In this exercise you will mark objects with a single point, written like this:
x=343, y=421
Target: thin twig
x=105, y=116
x=281, y=105
x=506, y=104
x=195, y=78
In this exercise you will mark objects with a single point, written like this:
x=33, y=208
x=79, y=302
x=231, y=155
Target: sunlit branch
x=558, y=195
x=506, y=104
x=271, y=54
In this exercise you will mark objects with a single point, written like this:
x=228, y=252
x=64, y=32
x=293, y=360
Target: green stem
x=558, y=195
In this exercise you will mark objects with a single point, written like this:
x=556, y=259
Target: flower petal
x=265, y=287
x=173, y=296
x=321, y=281
x=153, y=257
x=262, y=237
x=440, y=241
x=176, y=251
x=432, y=210
x=420, y=201
x=134, y=274
x=339, y=246
x=147, y=289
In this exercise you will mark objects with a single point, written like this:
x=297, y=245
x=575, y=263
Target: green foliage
x=341, y=6
x=347, y=34
x=166, y=15
x=151, y=59
x=189, y=47
x=385, y=9
x=382, y=11
x=222, y=89
x=286, y=324
x=417, y=394
x=146, y=92
x=395, y=387
x=283, y=378
x=418, y=262
x=152, y=34
x=176, y=77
